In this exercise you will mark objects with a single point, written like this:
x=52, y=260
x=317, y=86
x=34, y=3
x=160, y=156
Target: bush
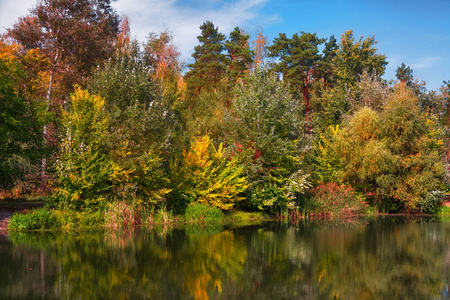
x=39, y=219
x=431, y=201
x=332, y=199
x=198, y=212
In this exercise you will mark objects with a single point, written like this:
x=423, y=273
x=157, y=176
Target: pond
x=382, y=258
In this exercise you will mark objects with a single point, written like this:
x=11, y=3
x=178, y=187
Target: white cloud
x=11, y=10
x=425, y=62
x=183, y=18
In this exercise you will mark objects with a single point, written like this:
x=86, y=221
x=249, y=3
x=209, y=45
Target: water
x=388, y=258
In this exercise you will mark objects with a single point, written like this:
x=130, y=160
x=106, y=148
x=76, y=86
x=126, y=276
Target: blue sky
x=410, y=31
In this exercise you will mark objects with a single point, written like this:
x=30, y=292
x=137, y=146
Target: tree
x=21, y=144
x=84, y=169
x=208, y=175
x=404, y=74
x=259, y=47
x=75, y=35
x=141, y=125
x=353, y=58
x=328, y=55
x=300, y=63
x=240, y=56
x=162, y=56
x=210, y=62
x=263, y=131
x=393, y=154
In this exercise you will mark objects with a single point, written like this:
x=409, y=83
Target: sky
x=414, y=32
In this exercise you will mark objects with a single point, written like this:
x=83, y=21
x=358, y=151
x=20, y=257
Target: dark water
x=388, y=258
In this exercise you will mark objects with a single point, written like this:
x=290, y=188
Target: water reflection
x=390, y=258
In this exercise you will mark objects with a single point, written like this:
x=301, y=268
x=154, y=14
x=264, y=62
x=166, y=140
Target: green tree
x=83, y=167
x=405, y=74
x=329, y=53
x=300, y=63
x=20, y=143
x=239, y=55
x=142, y=125
x=264, y=128
x=210, y=62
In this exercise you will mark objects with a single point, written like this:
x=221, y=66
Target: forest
x=104, y=126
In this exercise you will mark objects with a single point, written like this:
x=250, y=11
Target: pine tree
x=300, y=63
x=239, y=54
x=210, y=62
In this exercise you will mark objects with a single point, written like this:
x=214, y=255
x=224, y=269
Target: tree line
x=93, y=117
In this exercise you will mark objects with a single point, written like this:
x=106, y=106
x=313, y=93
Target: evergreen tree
x=405, y=74
x=239, y=54
x=329, y=53
x=210, y=62
x=300, y=63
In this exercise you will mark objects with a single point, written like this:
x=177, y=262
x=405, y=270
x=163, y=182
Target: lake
x=380, y=258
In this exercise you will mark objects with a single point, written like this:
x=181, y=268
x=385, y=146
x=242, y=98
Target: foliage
x=333, y=200
x=210, y=62
x=299, y=60
x=355, y=57
x=84, y=170
x=369, y=91
x=393, y=154
x=264, y=126
x=326, y=159
x=163, y=56
x=202, y=213
x=205, y=116
x=74, y=35
x=39, y=219
x=431, y=201
x=239, y=55
x=142, y=124
x=259, y=47
x=207, y=175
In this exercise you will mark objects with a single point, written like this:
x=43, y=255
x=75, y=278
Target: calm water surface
x=388, y=258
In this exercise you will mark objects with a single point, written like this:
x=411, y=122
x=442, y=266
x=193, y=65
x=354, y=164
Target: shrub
x=431, y=201
x=332, y=199
x=207, y=175
x=39, y=219
x=198, y=212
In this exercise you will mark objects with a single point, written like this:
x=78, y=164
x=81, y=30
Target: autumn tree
x=259, y=47
x=163, y=57
x=355, y=57
x=22, y=115
x=141, y=123
x=75, y=35
x=392, y=155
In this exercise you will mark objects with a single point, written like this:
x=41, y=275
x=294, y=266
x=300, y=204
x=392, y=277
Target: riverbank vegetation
x=118, y=132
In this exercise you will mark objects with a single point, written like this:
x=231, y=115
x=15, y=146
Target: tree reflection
x=384, y=259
